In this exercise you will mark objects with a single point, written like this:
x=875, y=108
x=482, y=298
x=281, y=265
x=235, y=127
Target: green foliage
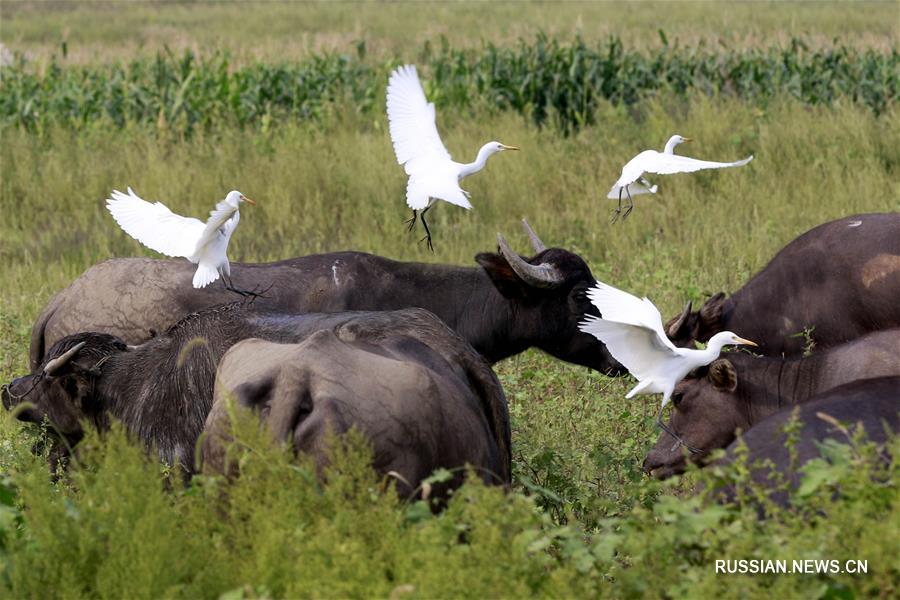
x=119, y=525
x=548, y=80
x=304, y=133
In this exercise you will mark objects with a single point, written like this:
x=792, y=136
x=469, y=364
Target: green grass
x=96, y=32
x=581, y=520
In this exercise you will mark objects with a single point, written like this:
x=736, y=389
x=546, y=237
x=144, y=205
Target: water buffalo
x=162, y=390
x=501, y=308
x=421, y=407
x=873, y=404
x=740, y=390
x=837, y=281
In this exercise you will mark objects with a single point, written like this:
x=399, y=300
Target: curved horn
x=536, y=242
x=543, y=275
x=674, y=326
x=60, y=361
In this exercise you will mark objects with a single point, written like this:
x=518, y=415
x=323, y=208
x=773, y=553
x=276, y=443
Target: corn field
x=551, y=82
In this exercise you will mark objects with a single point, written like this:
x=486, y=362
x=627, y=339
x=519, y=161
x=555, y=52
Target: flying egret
x=205, y=244
x=666, y=162
x=632, y=330
x=433, y=174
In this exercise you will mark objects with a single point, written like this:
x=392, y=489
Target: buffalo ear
x=254, y=394
x=711, y=313
x=502, y=275
x=722, y=375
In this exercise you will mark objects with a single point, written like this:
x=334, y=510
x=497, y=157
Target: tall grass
x=334, y=185
x=545, y=79
x=581, y=520
x=274, y=31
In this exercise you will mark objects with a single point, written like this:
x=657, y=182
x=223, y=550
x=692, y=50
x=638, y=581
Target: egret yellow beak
x=688, y=141
x=248, y=200
x=505, y=147
x=745, y=342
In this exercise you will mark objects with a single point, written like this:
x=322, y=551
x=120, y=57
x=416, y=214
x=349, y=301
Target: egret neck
x=473, y=167
x=713, y=348
x=670, y=145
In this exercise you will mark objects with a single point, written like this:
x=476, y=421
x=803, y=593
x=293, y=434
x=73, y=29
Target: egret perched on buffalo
x=632, y=330
x=433, y=174
x=632, y=180
x=204, y=244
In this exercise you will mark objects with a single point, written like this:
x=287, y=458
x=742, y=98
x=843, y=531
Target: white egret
x=204, y=244
x=632, y=330
x=666, y=162
x=433, y=174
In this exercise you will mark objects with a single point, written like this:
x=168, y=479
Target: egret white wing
x=224, y=217
x=412, y=119
x=621, y=307
x=667, y=164
x=154, y=225
x=638, y=348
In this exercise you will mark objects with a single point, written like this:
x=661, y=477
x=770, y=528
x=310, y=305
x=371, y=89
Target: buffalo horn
x=677, y=323
x=60, y=361
x=536, y=242
x=543, y=275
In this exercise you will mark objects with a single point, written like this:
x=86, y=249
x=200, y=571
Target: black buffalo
x=739, y=390
x=422, y=403
x=873, y=404
x=162, y=390
x=836, y=282
x=501, y=308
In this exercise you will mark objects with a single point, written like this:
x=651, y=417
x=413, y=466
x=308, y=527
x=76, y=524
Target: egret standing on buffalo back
x=204, y=244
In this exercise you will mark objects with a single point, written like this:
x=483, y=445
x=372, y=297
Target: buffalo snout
x=13, y=391
x=663, y=463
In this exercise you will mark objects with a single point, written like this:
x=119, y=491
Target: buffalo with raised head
x=162, y=390
x=421, y=407
x=505, y=306
x=739, y=390
x=873, y=404
x=836, y=282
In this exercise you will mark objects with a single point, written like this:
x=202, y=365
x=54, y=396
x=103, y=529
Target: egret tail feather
x=204, y=275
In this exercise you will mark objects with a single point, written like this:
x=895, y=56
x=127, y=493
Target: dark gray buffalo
x=501, y=308
x=421, y=407
x=873, y=404
x=838, y=281
x=737, y=392
x=162, y=390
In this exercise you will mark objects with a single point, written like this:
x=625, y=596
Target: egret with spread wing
x=433, y=174
x=633, y=183
x=204, y=244
x=632, y=330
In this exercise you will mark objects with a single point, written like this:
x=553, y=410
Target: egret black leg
x=427, y=231
x=630, y=204
x=229, y=285
x=677, y=437
x=411, y=222
x=618, y=209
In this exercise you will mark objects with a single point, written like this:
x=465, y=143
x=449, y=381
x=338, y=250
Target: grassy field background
x=582, y=519
x=108, y=31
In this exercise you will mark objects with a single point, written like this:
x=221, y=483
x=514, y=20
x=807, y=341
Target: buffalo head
x=707, y=412
x=60, y=391
x=700, y=325
x=549, y=292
